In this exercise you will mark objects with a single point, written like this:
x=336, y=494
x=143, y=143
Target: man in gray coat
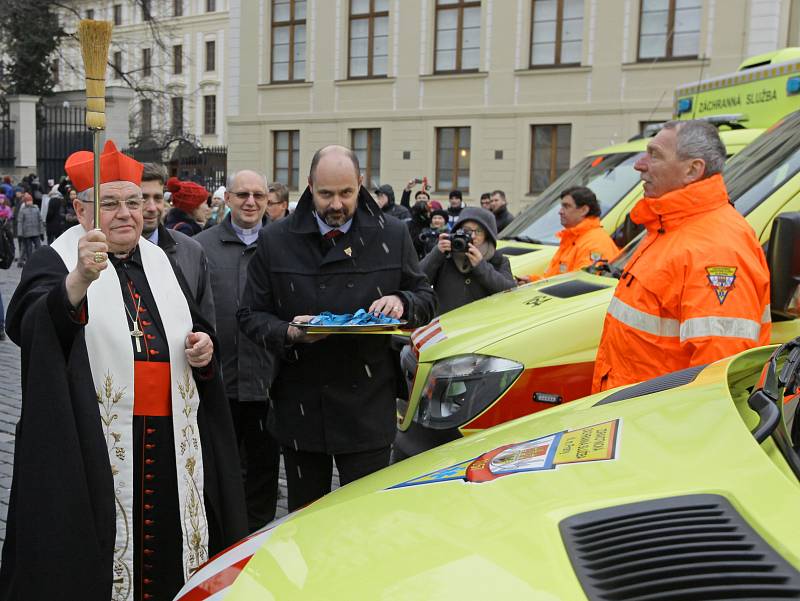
x=247, y=367
x=30, y=227
x=186, y=255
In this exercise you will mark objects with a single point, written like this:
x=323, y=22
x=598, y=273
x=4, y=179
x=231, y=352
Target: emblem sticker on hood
x=597, y=442
x=427, y=335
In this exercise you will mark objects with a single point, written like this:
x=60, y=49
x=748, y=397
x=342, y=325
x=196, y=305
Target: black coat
x=503, y=217
x=179, y=220
x=61, y=516
x=247, y=367
x=336, y=395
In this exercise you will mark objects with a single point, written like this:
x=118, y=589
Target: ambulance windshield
x=765, y=165
x=610, y=177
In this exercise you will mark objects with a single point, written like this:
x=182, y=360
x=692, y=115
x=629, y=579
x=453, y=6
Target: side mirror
x=626, y=232
x=783, y=258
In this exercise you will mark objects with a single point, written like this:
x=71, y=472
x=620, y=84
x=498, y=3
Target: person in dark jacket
x=54, y=220
x=384, y=196
x=419, y=222
x=247, y=367
x=462, y=277
x=187, y=256
x=500, y=209
x=456, y=200
x=430, y=235
x=187, y=214
x=333, y=397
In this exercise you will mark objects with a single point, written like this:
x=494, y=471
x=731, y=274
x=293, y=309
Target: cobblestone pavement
x=10, y=397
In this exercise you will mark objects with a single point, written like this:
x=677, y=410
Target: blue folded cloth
x=359, y=318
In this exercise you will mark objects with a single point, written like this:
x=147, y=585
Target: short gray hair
x=232, y=177
x=697, y=139
x=86, y=195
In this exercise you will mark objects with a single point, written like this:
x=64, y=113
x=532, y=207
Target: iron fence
x=60, y=131
x=205, y=165
x=7, y=154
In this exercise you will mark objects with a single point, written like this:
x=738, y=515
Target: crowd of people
x=181, y=316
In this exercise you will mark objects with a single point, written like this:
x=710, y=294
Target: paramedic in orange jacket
x=583, y=239
x=697, y=287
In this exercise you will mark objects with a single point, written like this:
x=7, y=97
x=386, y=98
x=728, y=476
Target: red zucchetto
x=114, y=167
x=186, y=196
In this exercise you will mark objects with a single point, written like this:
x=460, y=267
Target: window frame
x=117, y=14
x=292, y=23
x=90, y=13
x=177, y=59
x=290, y=164
x=147, y=62
x=556, y=64
x=668, y=55
x=145, y=132
x=370, y=16
x=211, y=6
x=147, y=10
x=177, y=101
x=177, y=8
x=212, y=131
x=116, y=61
x=456, y=156
x=460, y=5
x=553, y=153
x=368, y=167
x=211, y=55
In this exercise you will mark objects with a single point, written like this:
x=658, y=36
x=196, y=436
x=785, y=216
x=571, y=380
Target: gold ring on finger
x=99, y=257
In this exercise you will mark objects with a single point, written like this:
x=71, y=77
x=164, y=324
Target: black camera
x=428, y=236
x=460, y=241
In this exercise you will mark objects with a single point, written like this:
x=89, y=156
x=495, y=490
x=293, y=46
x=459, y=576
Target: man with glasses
x=125, y=445
x=277, y=201
x=247, y=367
x=464, y=266
x=185, y=254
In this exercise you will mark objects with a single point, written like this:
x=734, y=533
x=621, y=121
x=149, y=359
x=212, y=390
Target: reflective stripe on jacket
x=695, y=290
x=580, y=246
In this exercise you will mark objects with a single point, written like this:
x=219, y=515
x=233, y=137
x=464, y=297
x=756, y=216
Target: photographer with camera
x=464, y=266
x=438, y=226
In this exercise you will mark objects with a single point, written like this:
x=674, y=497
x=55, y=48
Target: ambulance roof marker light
x=684, y=105
x=793, y=86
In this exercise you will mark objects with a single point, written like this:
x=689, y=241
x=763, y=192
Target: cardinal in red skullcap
x=126, y=442
x=190, y=207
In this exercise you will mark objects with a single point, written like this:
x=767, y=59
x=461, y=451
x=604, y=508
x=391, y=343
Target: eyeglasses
x=472, y=231
x=111, y=206
x=274, y=203
x=257, y=196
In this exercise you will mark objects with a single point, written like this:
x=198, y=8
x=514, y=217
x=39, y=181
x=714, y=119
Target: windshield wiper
x=526, y=239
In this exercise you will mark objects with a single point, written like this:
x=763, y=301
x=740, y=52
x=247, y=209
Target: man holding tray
x=334, y=395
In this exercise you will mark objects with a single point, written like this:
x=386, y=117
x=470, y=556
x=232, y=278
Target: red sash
x=152, y=389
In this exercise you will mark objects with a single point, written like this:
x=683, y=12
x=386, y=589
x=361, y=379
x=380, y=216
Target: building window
x=669, y=29
x=177, y=8
x=147, y=117
x=211, y=55
x=90, y=13
x=56, y=70
x=117, y=14
x=177, y=59
x=794, y=23
x=286, y=157
x=366, y=144
x=209, y=115
x=556, y=32
x=288, y=40
x=177, y=116
x=146, y=62
x=117, y=65
x=458, y=35
x=452, y=158
x=369, y=38
x=549, y=154
x=147, y=12
x=211, y=6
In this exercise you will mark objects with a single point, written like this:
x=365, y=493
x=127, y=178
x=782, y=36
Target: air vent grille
x=688, y=548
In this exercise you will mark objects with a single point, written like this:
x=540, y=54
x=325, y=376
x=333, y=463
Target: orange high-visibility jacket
x=695, y=290
x=580, y=246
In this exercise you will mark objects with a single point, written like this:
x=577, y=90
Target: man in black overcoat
x=333, y=397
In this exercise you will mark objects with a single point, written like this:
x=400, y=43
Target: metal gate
x=60, y=131
x=6, y=137
x=189, y=161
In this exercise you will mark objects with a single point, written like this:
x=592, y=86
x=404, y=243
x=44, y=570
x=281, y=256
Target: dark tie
x=332, y=234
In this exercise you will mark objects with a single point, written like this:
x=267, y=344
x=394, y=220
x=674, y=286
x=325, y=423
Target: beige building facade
x=475, y=95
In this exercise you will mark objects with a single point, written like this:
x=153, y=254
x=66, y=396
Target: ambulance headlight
x=459, y=388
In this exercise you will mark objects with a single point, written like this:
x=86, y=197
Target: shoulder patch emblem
x=721, y=280
x=595, y=256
